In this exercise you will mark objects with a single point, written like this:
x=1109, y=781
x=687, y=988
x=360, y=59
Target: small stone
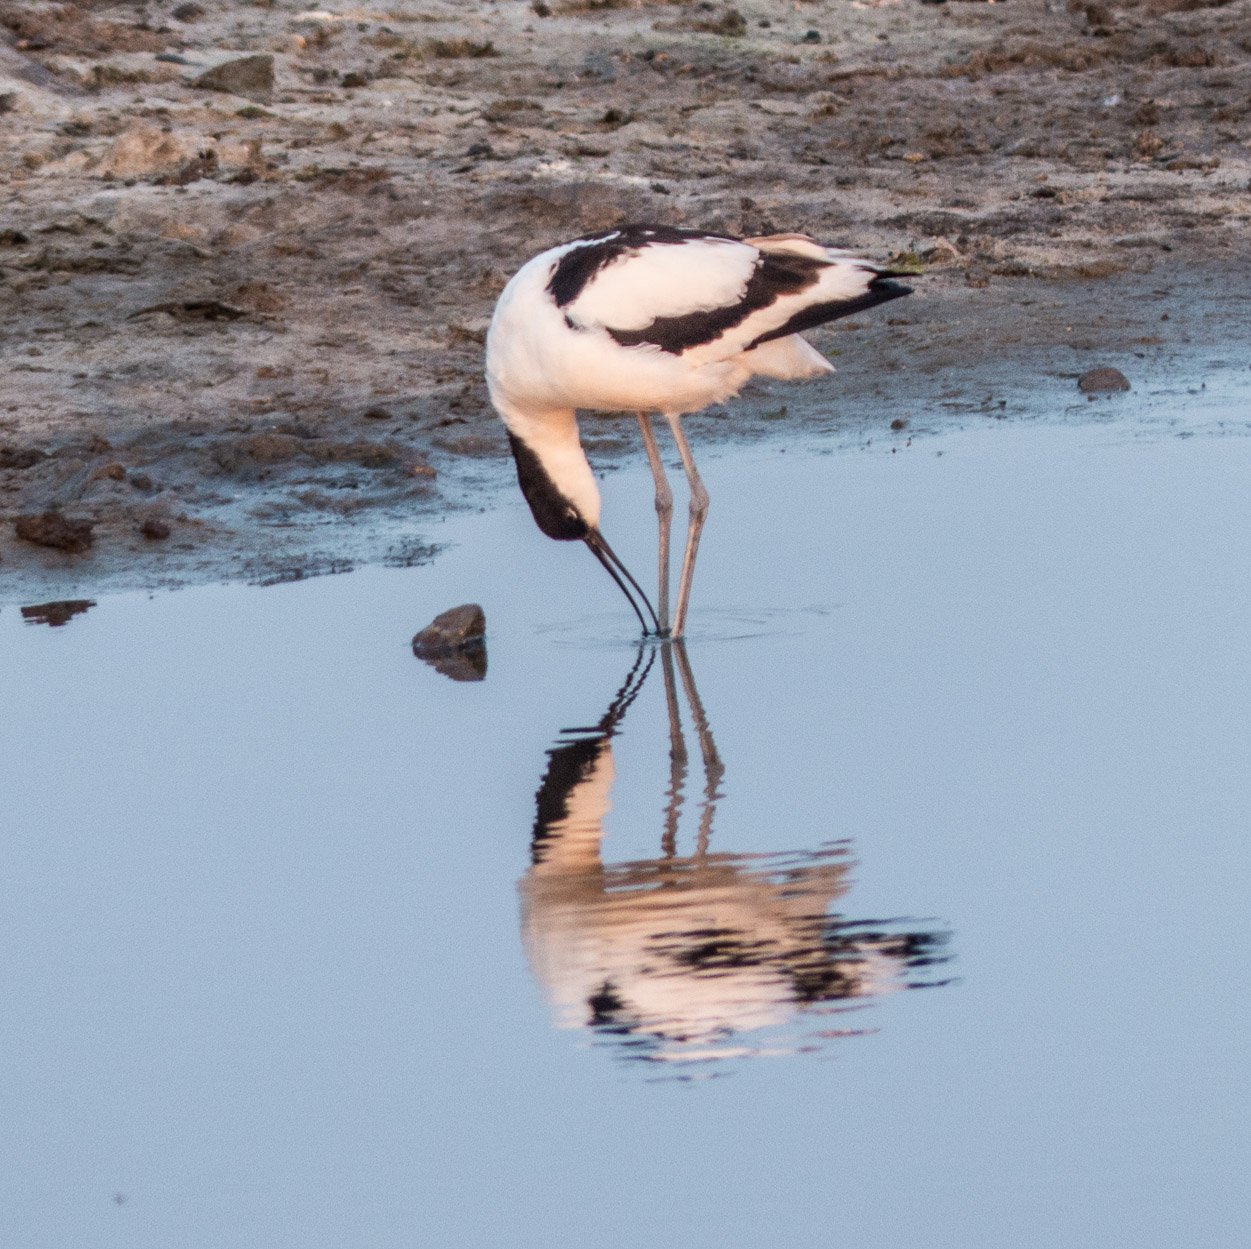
x=202, y=165
x=56, y=614
x=454, y=643
x=259, y=296
x=248, y=75
x=365, y=453
x=187, y=13
x=1148, y=145
x=452, y=628
x=376, y=414
x=354, y=80
x=141, y=481
x=898, y=423
x=143, y=150
x=731, y=23
x=52, y=529
x=272, y=447
x=1106, y=378
x=20, y=457
x=154, y=530
x=109, y=472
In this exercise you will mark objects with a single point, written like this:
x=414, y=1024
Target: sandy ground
x=243, y=328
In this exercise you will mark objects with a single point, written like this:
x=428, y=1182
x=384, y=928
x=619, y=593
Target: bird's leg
x=699, y=509
x=664, y=512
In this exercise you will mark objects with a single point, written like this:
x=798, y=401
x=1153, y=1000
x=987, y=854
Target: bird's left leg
x=664, y=512
x=699, y=510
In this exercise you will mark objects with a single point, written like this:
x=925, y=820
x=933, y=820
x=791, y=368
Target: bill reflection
x=701, y=957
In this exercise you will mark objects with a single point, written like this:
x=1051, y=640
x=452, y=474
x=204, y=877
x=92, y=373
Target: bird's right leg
x=699, y=510
x=664, y=512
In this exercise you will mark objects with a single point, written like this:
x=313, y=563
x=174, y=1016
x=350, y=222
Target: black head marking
x=881, y=289
x=776, y=274
x=553, y=512
x=577, y=267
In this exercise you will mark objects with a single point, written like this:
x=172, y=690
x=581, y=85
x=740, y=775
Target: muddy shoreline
x=242, y=332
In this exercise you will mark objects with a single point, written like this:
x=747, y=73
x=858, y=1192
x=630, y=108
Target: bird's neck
x=552, y=468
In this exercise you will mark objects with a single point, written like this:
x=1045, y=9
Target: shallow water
x=290, y=954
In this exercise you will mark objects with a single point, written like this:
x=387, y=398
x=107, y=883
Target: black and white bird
x=654, y=319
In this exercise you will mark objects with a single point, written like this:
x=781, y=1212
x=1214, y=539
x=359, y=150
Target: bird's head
x=555, y=489
x=557, y=482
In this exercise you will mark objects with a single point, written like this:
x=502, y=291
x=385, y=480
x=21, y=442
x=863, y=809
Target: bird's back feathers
x=707, y=296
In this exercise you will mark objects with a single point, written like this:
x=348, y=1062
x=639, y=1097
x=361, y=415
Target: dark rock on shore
x=52, y=529
x=154, y=530
x=1103, y=379
x=248, y=75
x=20, y=457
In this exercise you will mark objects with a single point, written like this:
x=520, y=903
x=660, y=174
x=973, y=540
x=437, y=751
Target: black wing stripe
x=776, y=274
x=880, y=291
x=577, y=267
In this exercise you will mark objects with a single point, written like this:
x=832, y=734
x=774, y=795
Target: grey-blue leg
x=699, y=510
x=664, y=512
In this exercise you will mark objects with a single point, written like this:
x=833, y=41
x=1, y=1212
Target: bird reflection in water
x=701, y=957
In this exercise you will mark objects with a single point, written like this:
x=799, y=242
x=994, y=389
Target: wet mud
x=249, y=253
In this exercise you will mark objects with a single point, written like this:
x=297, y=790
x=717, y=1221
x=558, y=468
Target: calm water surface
x=304, y=945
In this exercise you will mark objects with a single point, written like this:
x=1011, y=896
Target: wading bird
x=654, y=319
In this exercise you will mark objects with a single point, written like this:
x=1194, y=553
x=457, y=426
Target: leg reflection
x=678, y=758
x=714, y=769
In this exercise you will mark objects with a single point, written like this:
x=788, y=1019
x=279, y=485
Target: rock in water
x=453, y=628
x=58, y=613
x=52, y=529
x=454, y=643
x=1106, y=378
x=249, y=76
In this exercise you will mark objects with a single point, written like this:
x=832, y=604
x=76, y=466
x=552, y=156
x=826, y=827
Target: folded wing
x=706, y=297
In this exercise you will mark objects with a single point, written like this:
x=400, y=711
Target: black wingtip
x=879, y=291
x=890, y=289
